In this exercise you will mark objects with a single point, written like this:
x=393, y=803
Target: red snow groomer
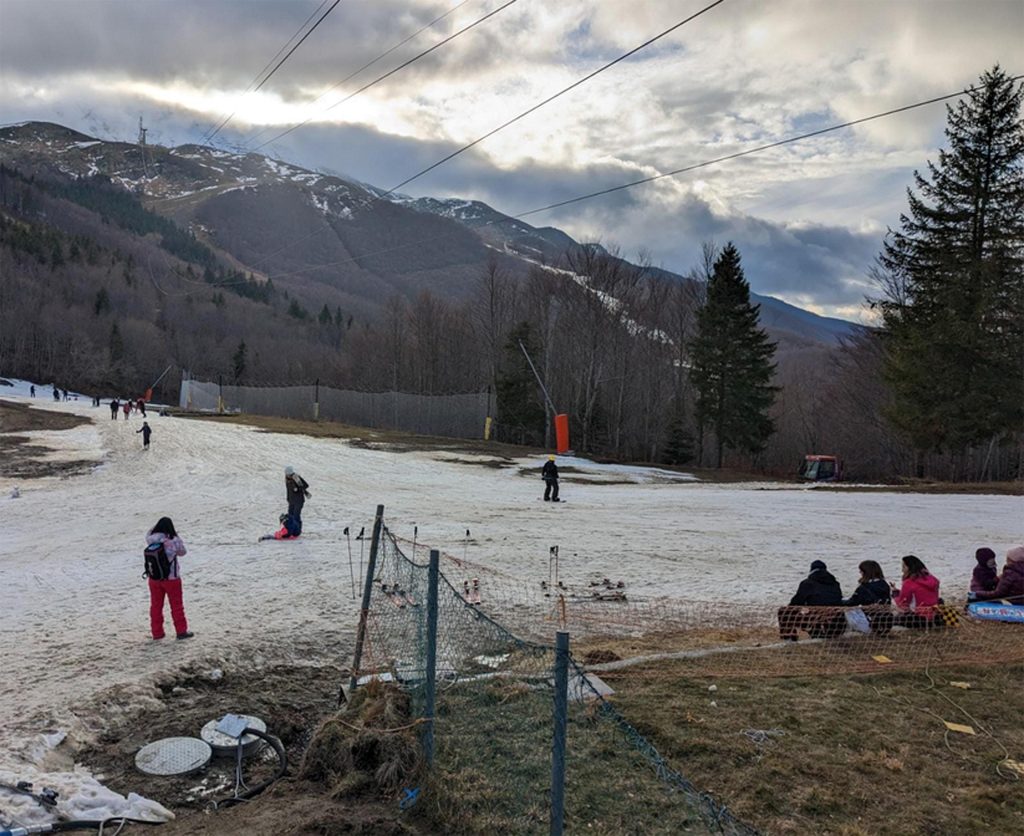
x=822, y=468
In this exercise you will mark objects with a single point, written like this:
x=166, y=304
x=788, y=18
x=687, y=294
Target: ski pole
x=415, y=533
x=362, y=542
x=465, y=546
x=351, y=575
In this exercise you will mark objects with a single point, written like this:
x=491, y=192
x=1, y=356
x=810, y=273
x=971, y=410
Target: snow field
x=75, y=619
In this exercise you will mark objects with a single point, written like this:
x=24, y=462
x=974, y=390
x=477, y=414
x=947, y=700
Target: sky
x=808, y=218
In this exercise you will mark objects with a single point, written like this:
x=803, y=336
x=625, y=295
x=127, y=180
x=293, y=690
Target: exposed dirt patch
x=20, y=458
x=293, y=700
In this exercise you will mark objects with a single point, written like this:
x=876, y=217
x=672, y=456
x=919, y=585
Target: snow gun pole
x=351, y=571
x=149, y=391
x=540, y=382
x=364, y=612
x=431, y=683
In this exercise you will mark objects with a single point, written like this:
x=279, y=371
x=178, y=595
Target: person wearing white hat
x=298, y=491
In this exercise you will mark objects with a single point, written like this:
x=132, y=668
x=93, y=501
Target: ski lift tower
x=142, y=147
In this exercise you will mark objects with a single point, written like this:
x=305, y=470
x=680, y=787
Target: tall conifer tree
x=953, y=281
x=731, y=362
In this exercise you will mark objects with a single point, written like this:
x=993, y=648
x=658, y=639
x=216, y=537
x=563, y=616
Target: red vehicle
x=822, y=468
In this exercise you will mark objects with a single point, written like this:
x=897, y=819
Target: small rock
x=714, y=704
x=712, y=687
x=215, y=675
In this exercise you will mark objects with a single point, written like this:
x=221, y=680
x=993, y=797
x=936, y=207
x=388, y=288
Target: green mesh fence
x=493, y=723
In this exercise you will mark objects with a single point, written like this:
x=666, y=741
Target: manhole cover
x=173, y=756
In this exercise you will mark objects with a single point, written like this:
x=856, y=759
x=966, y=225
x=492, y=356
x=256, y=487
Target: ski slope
x=75, y=619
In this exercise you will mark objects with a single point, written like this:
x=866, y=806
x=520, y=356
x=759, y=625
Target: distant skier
x=549, y=473
x=141, y=406
x=56, y=393
x=114, y=406
x=298, y=492
x=31, y=391
x=146, y=433
x=127, y=409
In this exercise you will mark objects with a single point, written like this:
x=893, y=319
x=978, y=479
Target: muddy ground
x=292, y=699
x=20, y=457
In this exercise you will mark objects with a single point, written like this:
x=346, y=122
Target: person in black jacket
x=549, y=473
x=297, y=489
x=874, y=596
x=812, y=608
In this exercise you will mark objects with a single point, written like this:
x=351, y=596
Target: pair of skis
x=398, y=596
x=472, y=592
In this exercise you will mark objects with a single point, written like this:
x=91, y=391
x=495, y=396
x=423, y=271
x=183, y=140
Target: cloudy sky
x=808, y=218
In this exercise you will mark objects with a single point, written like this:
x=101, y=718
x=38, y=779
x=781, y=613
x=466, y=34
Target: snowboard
x=997, y=611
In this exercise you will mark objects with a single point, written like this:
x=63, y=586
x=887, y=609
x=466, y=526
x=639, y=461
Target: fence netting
x=451, y=416
x=493, y=719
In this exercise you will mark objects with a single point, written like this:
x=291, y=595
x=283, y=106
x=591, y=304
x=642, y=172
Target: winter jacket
x=1011, y=585
x=173, y=548
x=919, y=595
x=549, y=472
x=289, y=530
x=818, y=589
x=875, y=591
x=984, y=577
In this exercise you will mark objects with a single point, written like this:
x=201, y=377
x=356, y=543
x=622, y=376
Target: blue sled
x=997, y=611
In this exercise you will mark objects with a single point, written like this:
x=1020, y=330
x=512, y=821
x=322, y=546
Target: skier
x=32, y=391
x=549, y=473
x=141, y=406
x=298, y=491
x=127, y=409
x=56, y=394
x=114, y=406
x=146, y=433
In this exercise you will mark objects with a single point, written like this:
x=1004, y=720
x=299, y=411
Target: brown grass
x=20, y=458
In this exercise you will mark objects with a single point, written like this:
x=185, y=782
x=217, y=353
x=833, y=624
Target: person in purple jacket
x=163, y=532
x=984, y=577
x=1011, y=581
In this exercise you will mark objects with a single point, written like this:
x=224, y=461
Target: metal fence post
x=431, y=683
x=561, y=716
x=364, y=613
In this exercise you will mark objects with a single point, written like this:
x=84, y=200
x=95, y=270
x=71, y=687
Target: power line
x=526, y=112
x=288, y=55
x=390, y=73
x=673, y=173
x=210, y=133
x=369, y=64
x=550, y=99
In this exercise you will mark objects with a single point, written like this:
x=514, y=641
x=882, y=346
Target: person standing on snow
x=141, y=406
x=114, y=406
x=32, y=391
x=163, y=532
x=298, y=491
x=549, y=473
x=127, y=409
x=146, y=433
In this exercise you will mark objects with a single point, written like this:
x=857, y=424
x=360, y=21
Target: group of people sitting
x=915, y=603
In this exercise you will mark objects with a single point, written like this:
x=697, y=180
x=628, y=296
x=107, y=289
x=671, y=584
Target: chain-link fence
x=493, y=720
x=452, y=416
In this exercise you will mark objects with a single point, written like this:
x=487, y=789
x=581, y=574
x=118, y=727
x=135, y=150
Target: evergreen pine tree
x=238, y=362
x=731, y=362
x=325, y=317
x=518, y=403
x=953, y=281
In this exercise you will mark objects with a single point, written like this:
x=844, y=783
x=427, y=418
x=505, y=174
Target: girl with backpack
x=163, y=533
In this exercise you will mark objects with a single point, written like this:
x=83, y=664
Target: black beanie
x=818, y=565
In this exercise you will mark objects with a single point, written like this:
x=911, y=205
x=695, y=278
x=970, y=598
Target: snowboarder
x=146, y=433
x=549, y=473
x=298, y=491
x=114, y=406
x=163, y=532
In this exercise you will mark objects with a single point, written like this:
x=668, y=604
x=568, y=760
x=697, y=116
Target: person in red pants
x=163, y=532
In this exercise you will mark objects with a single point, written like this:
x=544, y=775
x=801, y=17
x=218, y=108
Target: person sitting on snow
x=290, y=528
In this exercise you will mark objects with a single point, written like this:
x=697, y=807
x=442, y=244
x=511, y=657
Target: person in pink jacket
x=917, y=597
x=163, y=532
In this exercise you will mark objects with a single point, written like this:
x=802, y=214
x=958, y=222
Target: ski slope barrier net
x=451, y=416
x=493, y=720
